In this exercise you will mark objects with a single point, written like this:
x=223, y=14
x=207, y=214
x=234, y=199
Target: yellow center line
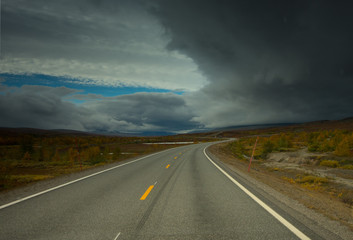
x=144, y=196
x=167, y=166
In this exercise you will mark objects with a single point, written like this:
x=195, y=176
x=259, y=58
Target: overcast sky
x=173, y=65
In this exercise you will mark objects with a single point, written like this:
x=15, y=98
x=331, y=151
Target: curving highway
x=179, y=193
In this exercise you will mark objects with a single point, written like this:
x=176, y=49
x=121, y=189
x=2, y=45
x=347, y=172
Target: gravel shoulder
x=321, y=210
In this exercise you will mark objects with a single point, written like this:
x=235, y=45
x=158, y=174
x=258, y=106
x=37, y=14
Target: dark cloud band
x=45, y=107
x=273, y=60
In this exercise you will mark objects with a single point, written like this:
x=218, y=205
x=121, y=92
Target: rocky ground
x=306, y=162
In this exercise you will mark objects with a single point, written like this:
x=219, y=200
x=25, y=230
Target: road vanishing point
x=180, y=193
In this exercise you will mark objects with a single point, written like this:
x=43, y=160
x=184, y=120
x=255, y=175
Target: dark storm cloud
x=38, y=107
x=34, y=27
x=110, y=43
x=47, y=107
x=148, y=111
x=266, y=61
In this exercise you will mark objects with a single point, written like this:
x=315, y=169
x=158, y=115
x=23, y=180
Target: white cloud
x=112, y=44
x=178, y=77
x=47, y=107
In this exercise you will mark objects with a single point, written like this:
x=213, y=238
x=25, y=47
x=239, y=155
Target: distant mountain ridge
x=244, y=127
x=41, y=132
x=59, y=132
x=346, y=123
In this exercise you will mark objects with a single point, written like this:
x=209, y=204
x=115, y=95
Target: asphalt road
x=175, y=194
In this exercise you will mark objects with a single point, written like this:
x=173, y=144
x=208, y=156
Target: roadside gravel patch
x=294, y=199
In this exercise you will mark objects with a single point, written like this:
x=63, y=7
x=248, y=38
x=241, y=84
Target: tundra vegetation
x=311, y=163
x=30, y=157
x=337, y=142
x=328, y=149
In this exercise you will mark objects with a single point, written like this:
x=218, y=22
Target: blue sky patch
x=18, y=80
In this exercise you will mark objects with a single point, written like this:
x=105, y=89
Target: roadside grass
x=289, y=179
x=349, y=166
x=312, y=153
x=337, y=142
x=26, y=159
x=336, y=145
x=312, y=182
x=28, y=178
x=19, y=172
x=330, y=163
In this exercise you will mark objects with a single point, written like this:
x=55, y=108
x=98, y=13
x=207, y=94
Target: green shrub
x=330, y=163
x=313, y=147
x=350, y=166
x=311, y=179
x=343, y=149
x=268, y=147
x=237, y=149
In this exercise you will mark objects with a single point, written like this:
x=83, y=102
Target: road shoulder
x=263, y=185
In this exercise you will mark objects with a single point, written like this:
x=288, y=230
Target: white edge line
x=293, y=229
x=77, y=180
x=117, y=236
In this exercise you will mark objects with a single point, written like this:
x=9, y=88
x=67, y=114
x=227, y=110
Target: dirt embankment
x=328, y=191
x=306, y=162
